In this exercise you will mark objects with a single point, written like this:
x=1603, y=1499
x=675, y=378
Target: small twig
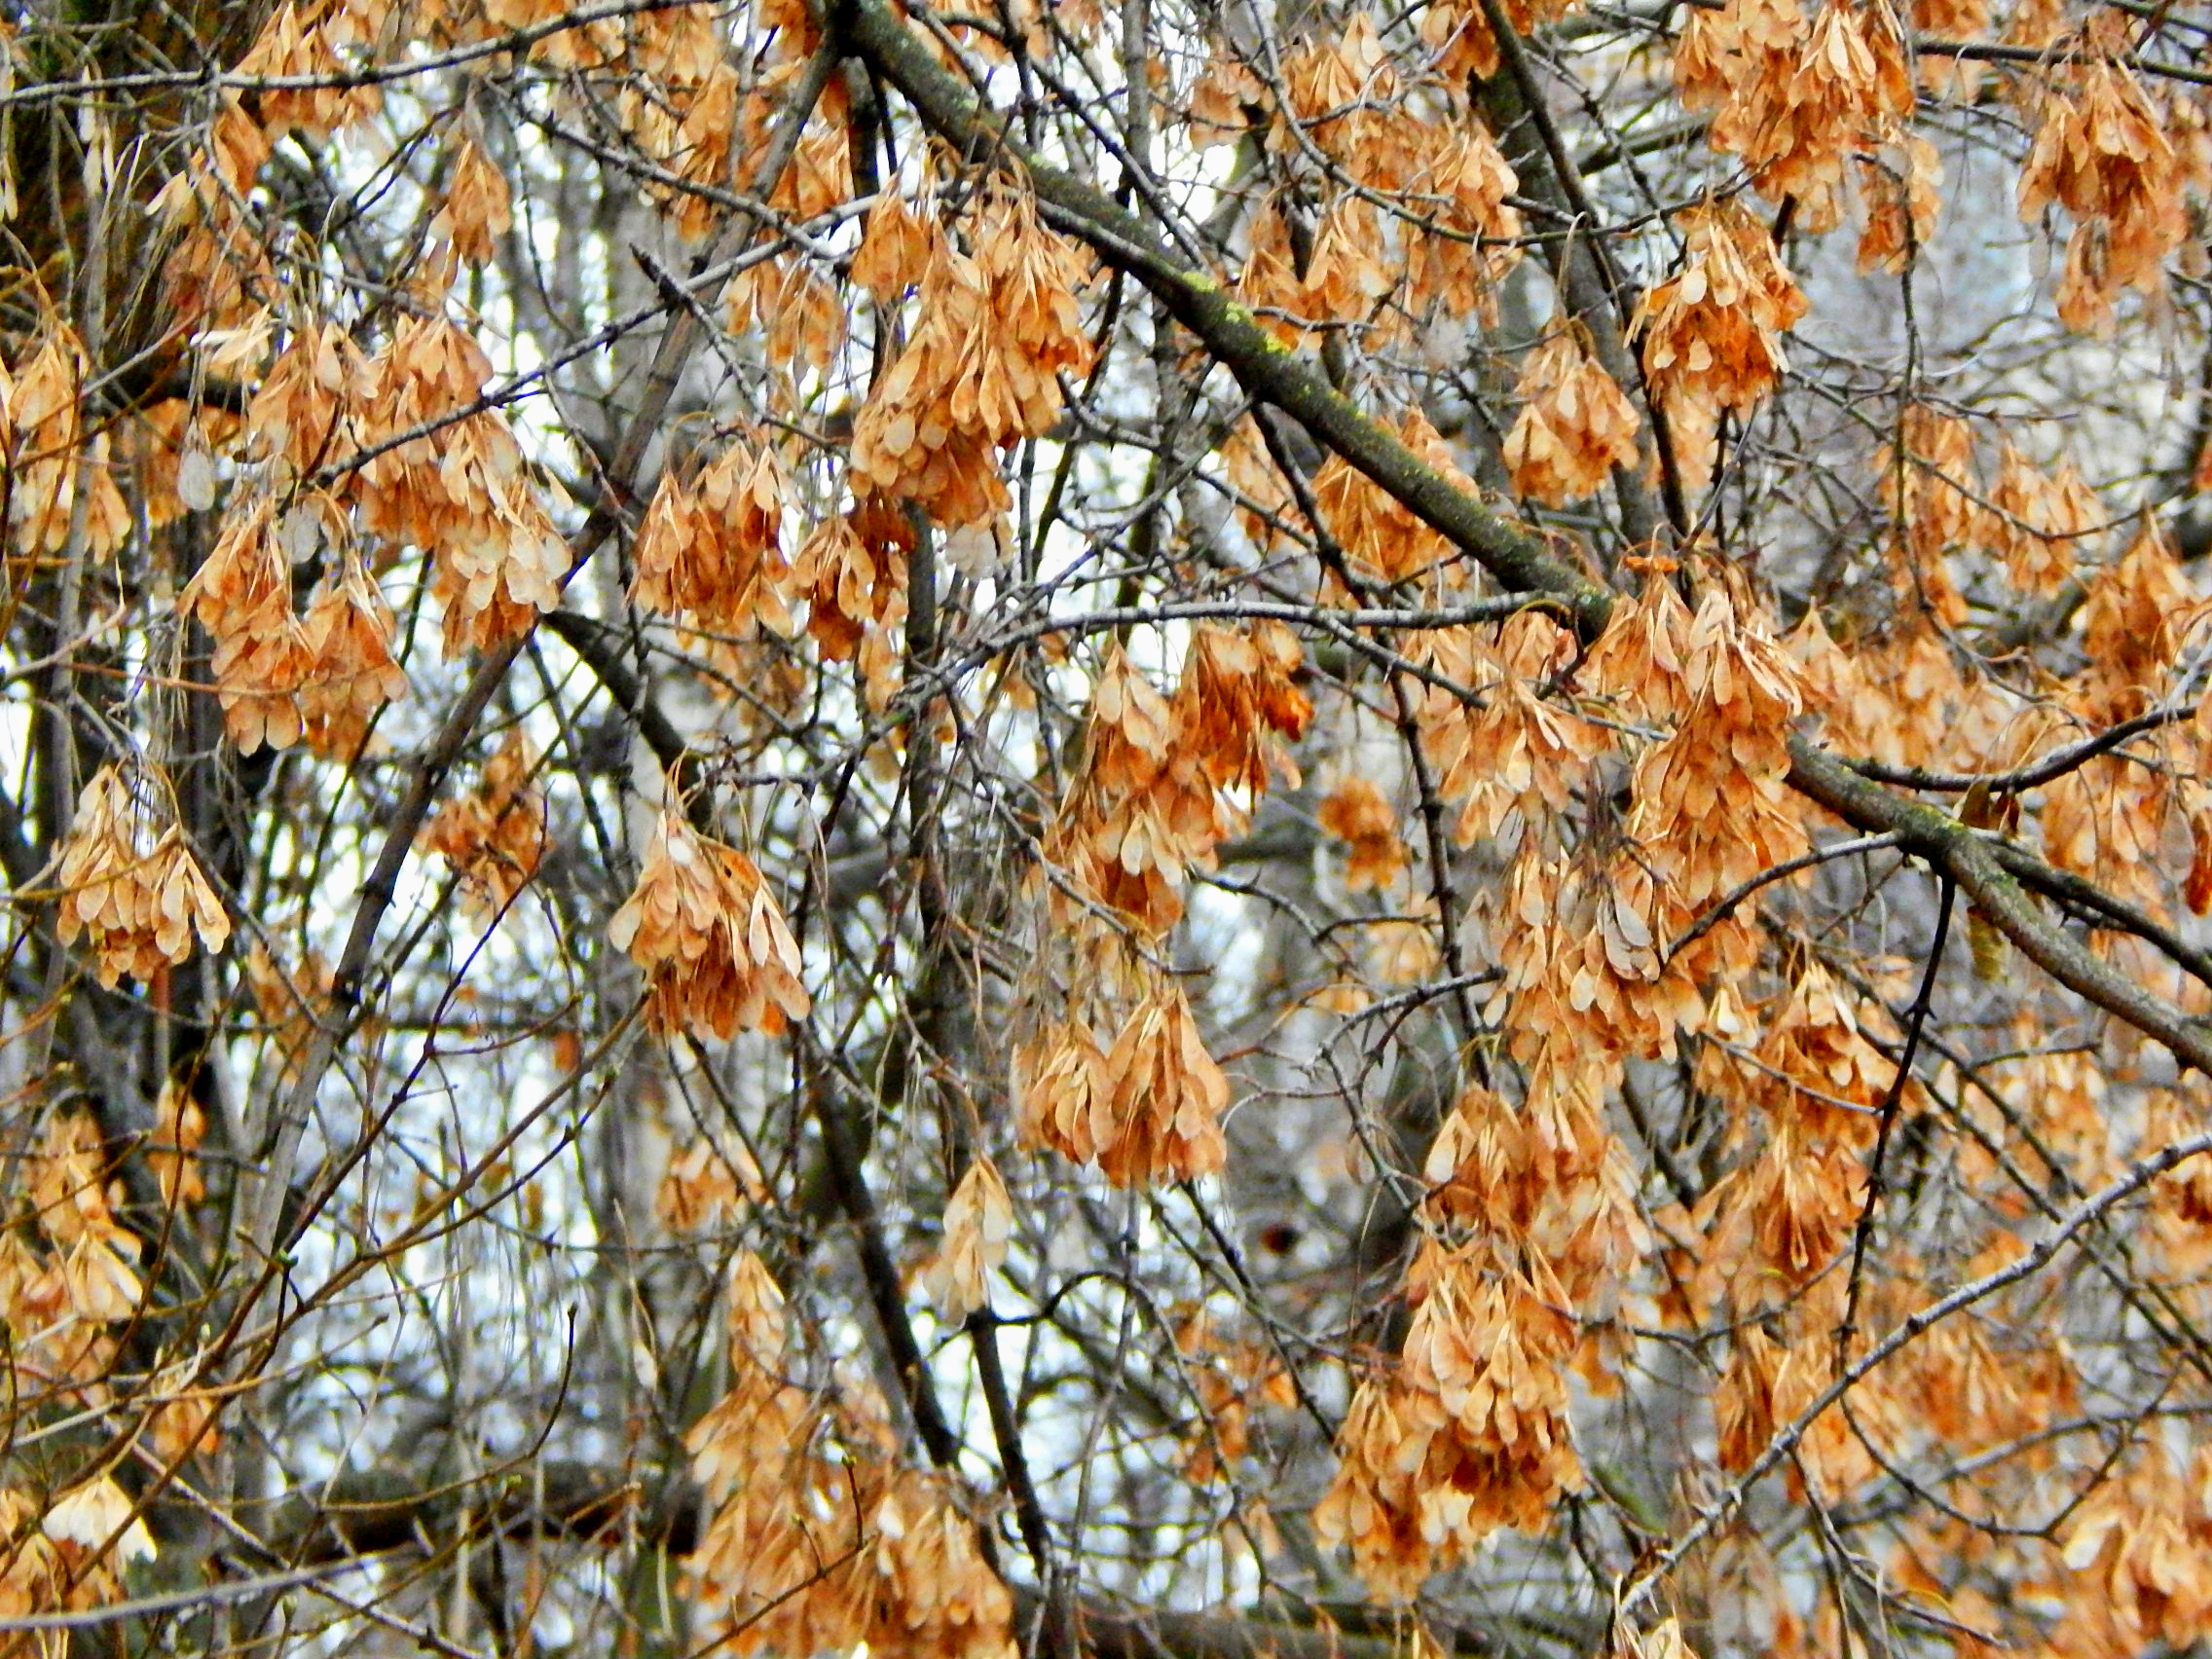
x=1720, y=906
x=1915, y=1019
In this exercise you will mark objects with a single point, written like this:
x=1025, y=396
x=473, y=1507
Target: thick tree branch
x=595, y=646
x=1979, y=863
x=887, y=1294
x=373, y=1512
x=1196, y=299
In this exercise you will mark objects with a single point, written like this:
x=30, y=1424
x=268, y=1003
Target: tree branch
x=594, y=644
x=374, y=1512
x=1977, y=861
x=1196, y=299
x=1270, y=372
